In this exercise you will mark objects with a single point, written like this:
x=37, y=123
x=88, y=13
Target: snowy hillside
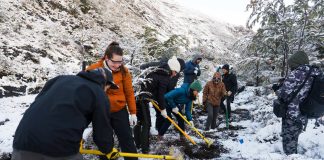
x=41, y=39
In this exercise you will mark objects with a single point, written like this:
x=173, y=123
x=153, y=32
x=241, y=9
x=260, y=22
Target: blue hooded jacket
x=180, y=96
x=189, y=70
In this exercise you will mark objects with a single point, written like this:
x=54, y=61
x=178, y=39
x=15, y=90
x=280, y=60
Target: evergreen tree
x=285, y=28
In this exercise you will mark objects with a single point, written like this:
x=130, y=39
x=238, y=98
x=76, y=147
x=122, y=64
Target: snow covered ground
x=252, y=135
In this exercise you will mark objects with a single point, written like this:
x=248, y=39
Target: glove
x=164, y=113
x=175, y=110
x=133, y=119
x=196, y=70
x=113, y=154
x=191, y=123
x=229, y=93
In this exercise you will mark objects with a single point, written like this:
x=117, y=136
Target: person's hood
x=196, y=56
x=101, y=76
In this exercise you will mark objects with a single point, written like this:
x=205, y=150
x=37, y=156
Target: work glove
x=175, y=110
x=196, y=70
x=164, y=113
x=113, y=154
x=132, y=119
x=191, y=123
x=229, y=93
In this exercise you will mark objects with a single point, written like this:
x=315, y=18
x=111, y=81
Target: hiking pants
x=291, y=130
x=159, y=119
x=120, y=124
x=228, y=106
x=212, y=116
x=167, y=123
x=26, y=155
x=142, y=128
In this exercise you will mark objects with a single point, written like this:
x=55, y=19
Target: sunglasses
x=116, y=62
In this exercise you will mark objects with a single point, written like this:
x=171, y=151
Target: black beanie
x=297, y=59
x=226, y=66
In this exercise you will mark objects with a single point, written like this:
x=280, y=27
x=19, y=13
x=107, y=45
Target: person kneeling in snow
x=52, y=126
x=175, y=100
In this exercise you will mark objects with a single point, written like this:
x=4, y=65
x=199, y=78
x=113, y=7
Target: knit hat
x=174, y=64
x=106, y=73
x=226, y=66
x=182, y=64
x=297, y=59
x=196, y=85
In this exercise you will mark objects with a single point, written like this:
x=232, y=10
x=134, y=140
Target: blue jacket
x=189, y=70
x=180, y=96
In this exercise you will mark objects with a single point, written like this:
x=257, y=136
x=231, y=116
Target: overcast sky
x=231, y=11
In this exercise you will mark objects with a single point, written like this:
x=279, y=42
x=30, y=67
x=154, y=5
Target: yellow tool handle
x=122, y=154
x=195, y=129
x=184, y=133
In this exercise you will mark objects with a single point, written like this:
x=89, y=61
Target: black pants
x=120, y=124
x=159, y=119
x=228, y=106
x=26, y=155
x=142, y=128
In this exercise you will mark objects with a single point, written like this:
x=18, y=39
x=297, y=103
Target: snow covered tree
x=285, y=28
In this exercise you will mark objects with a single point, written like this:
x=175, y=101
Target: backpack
x=313, y=105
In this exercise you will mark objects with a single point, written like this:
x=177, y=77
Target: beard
x=191, y=95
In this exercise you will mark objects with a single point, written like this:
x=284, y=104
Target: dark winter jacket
x=180, y=96
x=174, y=80
x=54, y=123
x=293, y=81
x=156, y=84
x=189, y=71
x=230, y=82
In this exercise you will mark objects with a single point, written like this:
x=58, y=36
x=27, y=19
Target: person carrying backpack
x=52, y=127
x=301, y=76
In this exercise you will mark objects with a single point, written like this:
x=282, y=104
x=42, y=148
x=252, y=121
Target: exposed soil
x=185, y=147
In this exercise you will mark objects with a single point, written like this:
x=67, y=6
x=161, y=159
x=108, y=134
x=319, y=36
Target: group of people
x=103, y=94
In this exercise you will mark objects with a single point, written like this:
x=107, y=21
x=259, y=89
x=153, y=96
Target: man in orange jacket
x=120, y=119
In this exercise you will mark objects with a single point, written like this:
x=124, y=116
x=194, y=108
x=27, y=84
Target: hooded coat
x=54, y=123
x=189, y=71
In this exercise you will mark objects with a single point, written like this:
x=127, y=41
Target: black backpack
x=313, y=105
